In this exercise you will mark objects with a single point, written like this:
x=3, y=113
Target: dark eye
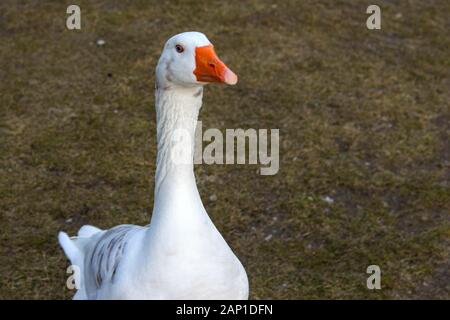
x=179, y=48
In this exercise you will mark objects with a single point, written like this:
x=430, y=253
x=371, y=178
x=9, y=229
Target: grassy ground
x=363, y=117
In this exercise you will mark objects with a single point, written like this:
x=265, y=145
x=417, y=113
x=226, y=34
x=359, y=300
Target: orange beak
x=209, y=68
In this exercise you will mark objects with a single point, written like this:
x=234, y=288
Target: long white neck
x=177, y=112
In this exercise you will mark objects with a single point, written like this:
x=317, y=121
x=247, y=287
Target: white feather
x=181, y=254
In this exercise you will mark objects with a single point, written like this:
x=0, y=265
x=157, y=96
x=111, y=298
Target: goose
x=180, y=254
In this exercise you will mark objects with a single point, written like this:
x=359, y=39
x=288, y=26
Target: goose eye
x=179, y=48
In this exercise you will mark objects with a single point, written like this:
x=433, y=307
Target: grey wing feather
x=107, y=253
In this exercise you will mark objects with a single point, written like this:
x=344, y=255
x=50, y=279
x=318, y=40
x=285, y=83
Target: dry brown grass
x=363, y=117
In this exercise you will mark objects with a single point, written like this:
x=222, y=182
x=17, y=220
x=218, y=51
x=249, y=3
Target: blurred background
x=364, y=150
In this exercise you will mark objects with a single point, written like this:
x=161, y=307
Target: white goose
x=181, y=254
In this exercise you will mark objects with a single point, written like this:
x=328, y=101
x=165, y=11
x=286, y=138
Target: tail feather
x=76, y=257
x=75, y=248
x=70, y=249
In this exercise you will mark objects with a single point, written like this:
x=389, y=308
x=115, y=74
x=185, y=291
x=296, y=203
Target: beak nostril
x=212, y=65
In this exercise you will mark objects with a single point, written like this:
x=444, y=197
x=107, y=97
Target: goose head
x=189, y=60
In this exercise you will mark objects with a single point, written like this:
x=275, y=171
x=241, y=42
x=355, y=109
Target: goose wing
x=105, y=256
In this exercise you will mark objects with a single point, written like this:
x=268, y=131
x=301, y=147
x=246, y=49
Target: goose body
x=180, y=254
